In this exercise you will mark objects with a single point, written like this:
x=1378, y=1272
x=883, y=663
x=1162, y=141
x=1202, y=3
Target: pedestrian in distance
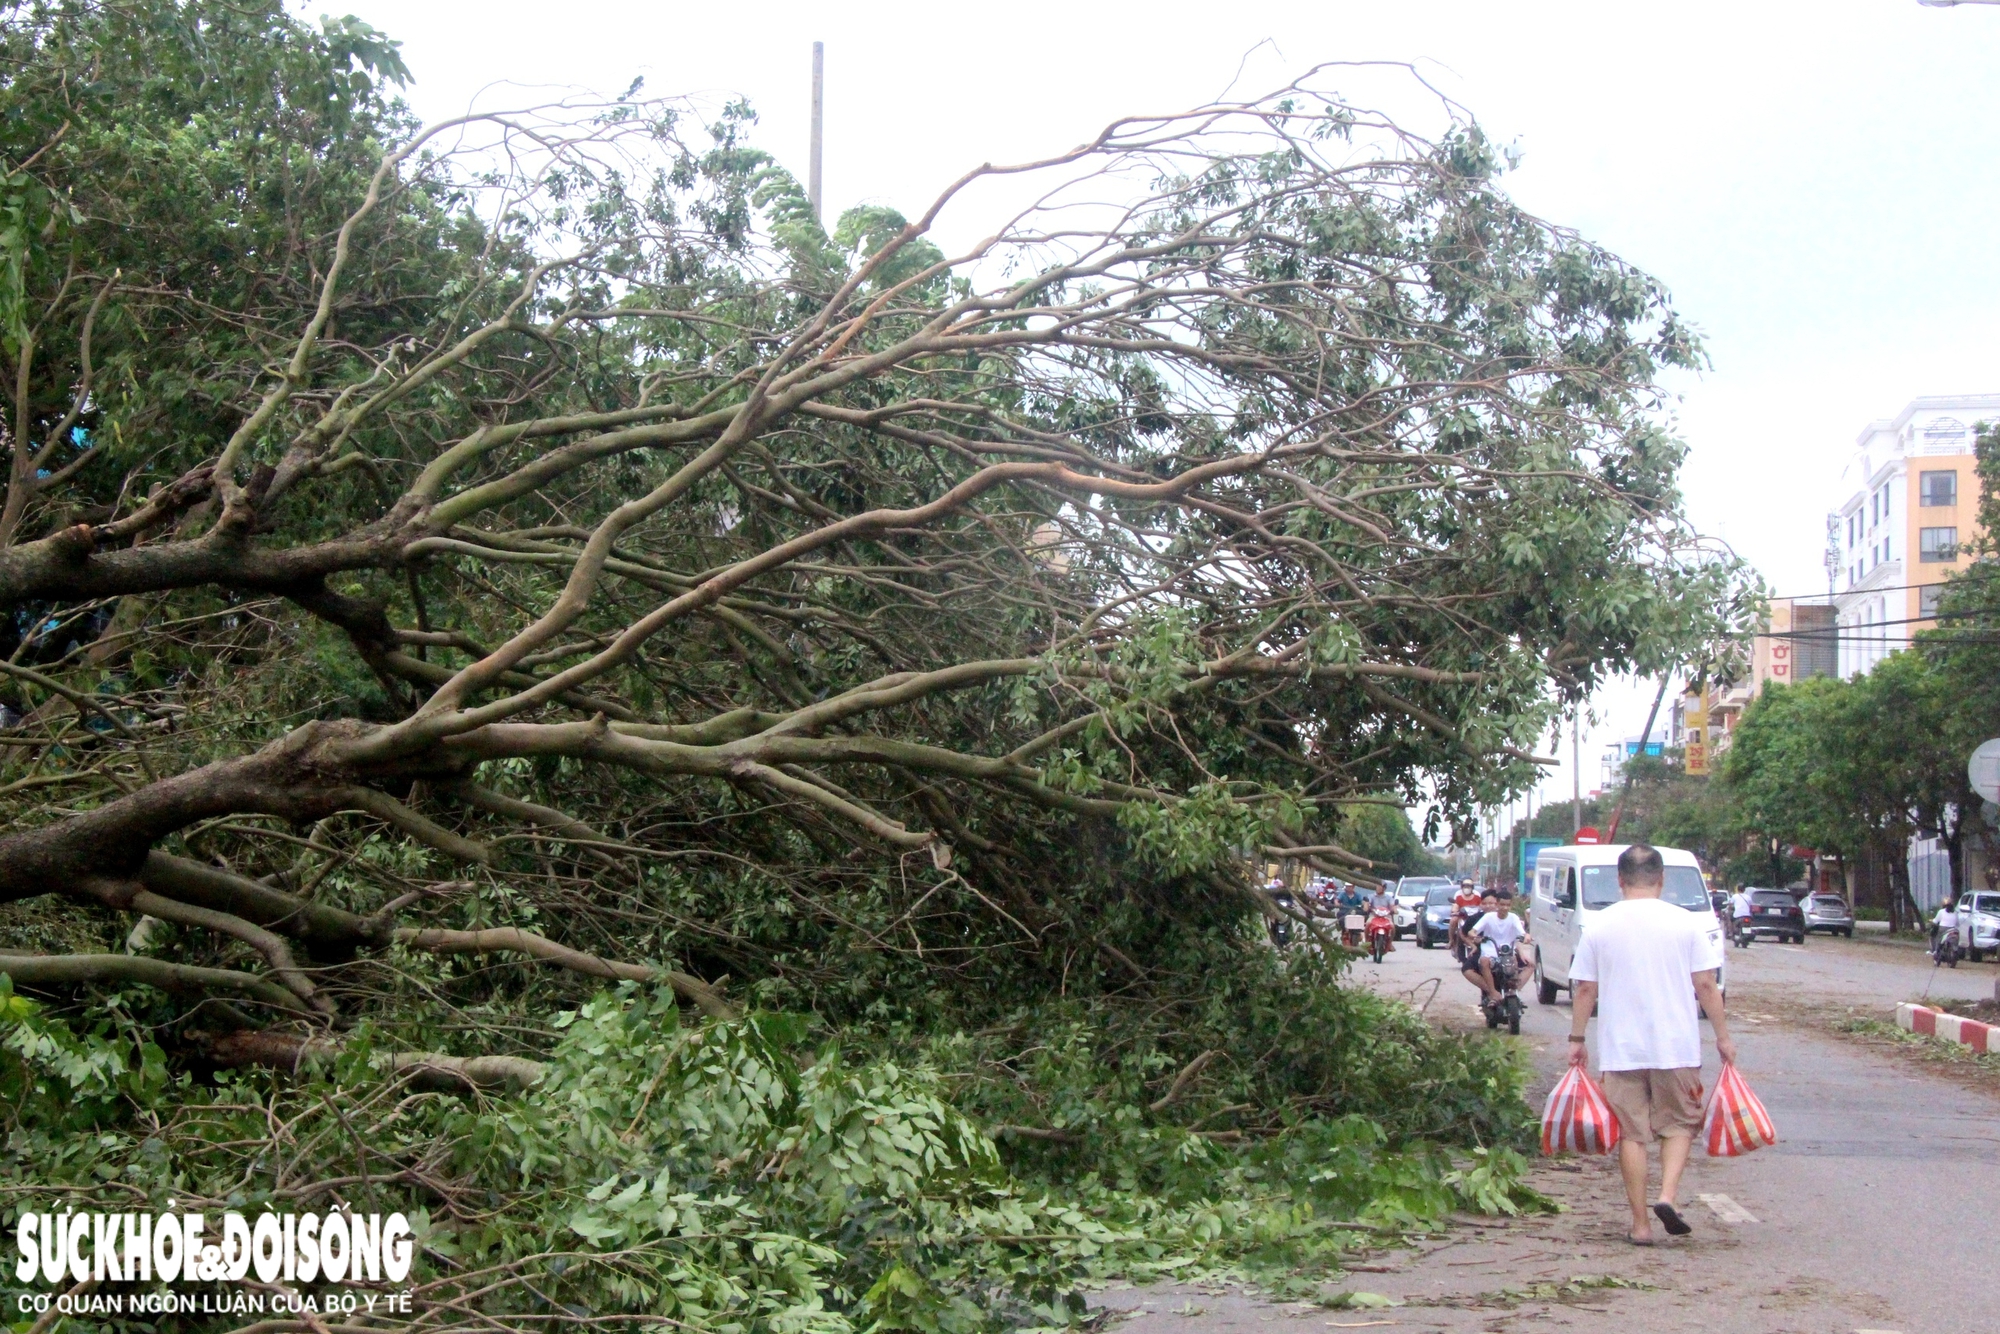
x=1649, y=970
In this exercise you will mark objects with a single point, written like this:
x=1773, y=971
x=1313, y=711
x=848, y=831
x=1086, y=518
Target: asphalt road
x=1872, y=1213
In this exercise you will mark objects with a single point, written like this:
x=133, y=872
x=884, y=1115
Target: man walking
x=1644, y=965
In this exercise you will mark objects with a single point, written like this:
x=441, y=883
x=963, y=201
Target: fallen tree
x=532, y=552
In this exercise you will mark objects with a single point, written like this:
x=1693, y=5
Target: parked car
x=1434, y=922
x=1412, y=893
x=1828, y=912
x=1979, y=925
x=1570, y=883
x=1774, y=912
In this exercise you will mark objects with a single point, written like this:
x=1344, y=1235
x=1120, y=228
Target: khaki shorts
x=1654, y=1104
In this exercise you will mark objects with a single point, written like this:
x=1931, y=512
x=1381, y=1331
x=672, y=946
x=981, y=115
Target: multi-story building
x=1906, y=523
x=1799, y=641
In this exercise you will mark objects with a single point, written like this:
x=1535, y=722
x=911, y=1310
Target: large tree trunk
x=1901, y=905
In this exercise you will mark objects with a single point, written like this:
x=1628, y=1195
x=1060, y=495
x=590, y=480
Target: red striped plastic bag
x=1577, y=1118
x=1737, y=1123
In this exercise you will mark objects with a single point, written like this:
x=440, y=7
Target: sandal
x=1638, y=1241
x=1671, y=1218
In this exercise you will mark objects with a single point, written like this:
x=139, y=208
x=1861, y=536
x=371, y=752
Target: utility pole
x=814, y=192
x=1576, y=772
x=1645, y=740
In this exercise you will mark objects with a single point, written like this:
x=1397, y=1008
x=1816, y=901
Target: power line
x=1912, y=620
x=1823, y=599
x=1868, y=632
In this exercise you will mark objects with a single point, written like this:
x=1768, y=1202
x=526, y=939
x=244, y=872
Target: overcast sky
x=1816, y=183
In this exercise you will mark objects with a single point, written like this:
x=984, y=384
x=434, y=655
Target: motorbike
x=1281, y=927
x=1350, y=930
x=1948, y=952
x=1742, y=934
x=1511, y=964
x=1381, y=933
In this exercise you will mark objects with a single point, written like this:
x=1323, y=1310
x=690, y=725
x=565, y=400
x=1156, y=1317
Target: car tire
x=1848, y=932
x=1545, y=990
x=1977, y=956
x=1424, y=942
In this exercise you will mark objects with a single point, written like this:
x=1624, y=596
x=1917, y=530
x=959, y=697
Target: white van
x=1573, y=882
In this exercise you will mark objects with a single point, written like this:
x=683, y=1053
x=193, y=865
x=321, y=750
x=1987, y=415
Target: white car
x=1573, y=882
x=1979, y=924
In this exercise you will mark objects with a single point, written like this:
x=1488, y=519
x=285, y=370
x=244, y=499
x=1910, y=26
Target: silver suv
x=1829, y=913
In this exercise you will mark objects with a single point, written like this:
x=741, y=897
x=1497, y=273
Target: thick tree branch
x=68, y=970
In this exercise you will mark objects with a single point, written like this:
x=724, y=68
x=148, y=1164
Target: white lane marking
x=1728, y=1210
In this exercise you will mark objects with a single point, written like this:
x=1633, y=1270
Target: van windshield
x=1684, y=888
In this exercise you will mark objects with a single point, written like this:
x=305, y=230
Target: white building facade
x=1906, y=522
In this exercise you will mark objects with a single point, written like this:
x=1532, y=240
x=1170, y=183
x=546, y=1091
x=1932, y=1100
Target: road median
x=1929, y=1021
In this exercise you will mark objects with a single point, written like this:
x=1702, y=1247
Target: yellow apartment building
x=1906, y=523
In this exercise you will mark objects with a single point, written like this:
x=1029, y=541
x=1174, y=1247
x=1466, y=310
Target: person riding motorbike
x=1944, y=922
x=1464, y=907
x=1739, y=912
x=1350, y=905
x=1495, y=927
x=1381, y=917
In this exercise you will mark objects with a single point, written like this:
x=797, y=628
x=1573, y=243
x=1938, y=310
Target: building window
x=1935, y=544
x=1938, y=488
x=1927, y=600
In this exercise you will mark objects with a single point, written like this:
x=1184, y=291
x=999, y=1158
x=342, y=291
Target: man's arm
x=1582, y=1000
x=1710, y=996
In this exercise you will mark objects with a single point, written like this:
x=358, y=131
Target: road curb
x=1934, y=1023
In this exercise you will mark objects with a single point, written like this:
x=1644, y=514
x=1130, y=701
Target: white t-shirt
x=1739, y=904
x=1945, y=917
x=1498, y=929
x=1643, y=954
